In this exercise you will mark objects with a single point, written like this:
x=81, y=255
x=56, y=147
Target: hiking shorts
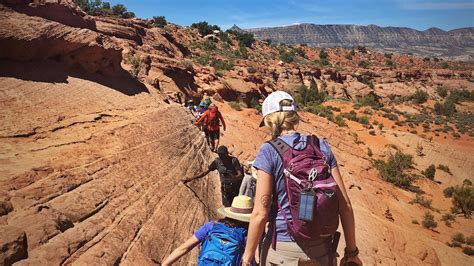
x=214, y=134
x=294, y=254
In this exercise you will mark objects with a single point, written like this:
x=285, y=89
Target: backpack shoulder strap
x=314, y=141
x=279, y=145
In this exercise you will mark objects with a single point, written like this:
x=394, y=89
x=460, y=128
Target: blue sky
x=417, y=14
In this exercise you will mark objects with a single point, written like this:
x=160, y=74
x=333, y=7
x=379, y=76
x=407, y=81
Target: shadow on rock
x=54, y=72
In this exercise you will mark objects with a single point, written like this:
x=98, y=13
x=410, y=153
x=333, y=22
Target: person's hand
x=349, y=261
x=246, y=260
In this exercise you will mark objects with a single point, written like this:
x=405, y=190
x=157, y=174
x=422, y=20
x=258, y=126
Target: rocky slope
x=94, y=143
x=456, y=43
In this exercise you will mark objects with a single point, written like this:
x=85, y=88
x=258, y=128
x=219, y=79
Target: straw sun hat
x=240, y=210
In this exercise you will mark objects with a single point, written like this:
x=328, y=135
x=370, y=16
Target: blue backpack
x=223, y=246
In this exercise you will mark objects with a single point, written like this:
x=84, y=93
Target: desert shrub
x=444, y=168
x=235, y=105
x=368, y=100
x=209, y=45
x=388, y=55
x=203, y=59
x=428, y=221
x=422, y=201
x=286, y=57
x=320, y=110
x=447, y=219
x=394, y=170
x=458, y=237
x=389, y=62
x=121, y=11
x=310, y=96
x=339, y=120
x=445, y=65
x=364, y=120
x=442, y=91
x=468, y=251
x=245, y=39
x=349, y=56
x=351, y=116
x=467, y=182
x=251, y=70
x=447, y=108
x=430, y=172
x=204, y=28
x=463, y=200
x=363, y=64
x=419, y=96
x=222, y=65
x=159, y=21
x=255, y=104
x=241, y=53
x=448, y=192
x=136, y=63
x=323, y=54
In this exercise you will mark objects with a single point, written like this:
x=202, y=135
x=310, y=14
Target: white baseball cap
x=271, y=104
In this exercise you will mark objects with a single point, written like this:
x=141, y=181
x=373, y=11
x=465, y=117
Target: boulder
x=13, y=245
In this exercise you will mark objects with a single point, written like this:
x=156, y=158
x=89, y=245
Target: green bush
x=394, y=170
x=203, y=59
x=349, y=56
x=159, y=22
x=368, y=100
x=286, y=57
x=448, y=192
x=235, y=105
x=121, y=11
x=422, y=201
x=310, y=96
x=458, y=237
x=222, y=65
x=447, y=108
x=419, y=96
x=463, y=200
x=339, y=120
x=442, y=91
x=251, y=70
x=136, y=63
x=364, y=120
x=363, y=64
x=430, y=172
x=389, y=62
x=448, y=218
x=323, y=54
x=244, y=38
x=242, y=53
x=209, y=45
x=204, y=28
x=444, y=168
x=428, y=221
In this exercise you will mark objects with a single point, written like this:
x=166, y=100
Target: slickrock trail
x=93, y=145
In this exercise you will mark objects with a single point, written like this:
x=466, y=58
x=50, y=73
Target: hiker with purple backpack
x=300, y=193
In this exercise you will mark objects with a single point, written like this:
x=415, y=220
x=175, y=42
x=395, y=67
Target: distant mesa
x=454, y=44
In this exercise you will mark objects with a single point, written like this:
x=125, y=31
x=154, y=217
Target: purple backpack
x=306, y=170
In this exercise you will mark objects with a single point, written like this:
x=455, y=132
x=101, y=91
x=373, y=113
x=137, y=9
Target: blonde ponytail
x=279, y=121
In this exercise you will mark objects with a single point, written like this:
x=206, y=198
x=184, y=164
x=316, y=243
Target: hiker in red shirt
x=210, y=119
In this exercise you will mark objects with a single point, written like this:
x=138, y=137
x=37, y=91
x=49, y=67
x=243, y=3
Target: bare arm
x=181, y=251
x=263, y=199
x=186, y=180
x=347, y=217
